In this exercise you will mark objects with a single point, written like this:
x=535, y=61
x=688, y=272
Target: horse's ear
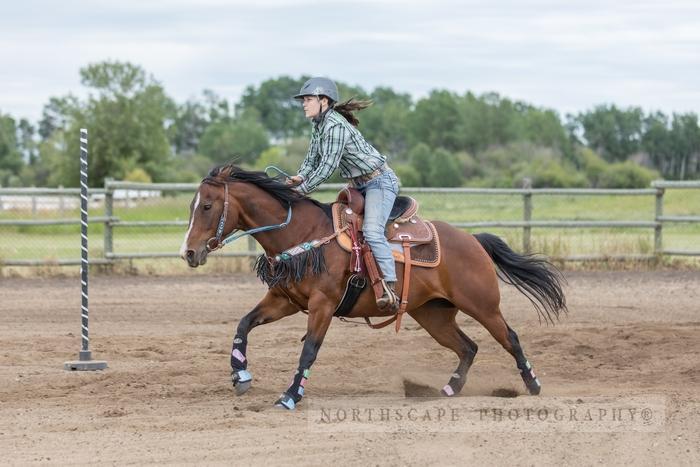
x=227, y=170
x=219, y=171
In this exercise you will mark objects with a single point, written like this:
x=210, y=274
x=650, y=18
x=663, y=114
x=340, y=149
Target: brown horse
x=466, y=280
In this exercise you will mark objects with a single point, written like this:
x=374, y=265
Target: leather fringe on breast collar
x=286, y=269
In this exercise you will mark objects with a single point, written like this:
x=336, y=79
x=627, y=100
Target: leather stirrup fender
x=405, y=285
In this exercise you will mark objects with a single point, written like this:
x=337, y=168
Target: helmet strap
x=322, y=113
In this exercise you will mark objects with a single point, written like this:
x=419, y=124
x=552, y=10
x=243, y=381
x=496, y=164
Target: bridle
x=214, y=243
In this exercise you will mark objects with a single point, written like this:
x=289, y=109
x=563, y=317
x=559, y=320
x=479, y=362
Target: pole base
x=85, y=363
x=85, y=366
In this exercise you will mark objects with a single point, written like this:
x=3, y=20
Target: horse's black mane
x=283, y=193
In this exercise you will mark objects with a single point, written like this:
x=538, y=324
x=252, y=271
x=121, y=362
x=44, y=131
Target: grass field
x=63, y=242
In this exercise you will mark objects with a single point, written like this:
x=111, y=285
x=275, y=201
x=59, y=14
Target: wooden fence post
x=659, y=212
x=527, y=214
x=61, y=206
x=109, y=209
x=34, y=205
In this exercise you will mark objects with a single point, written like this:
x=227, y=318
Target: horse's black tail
x=536, y=278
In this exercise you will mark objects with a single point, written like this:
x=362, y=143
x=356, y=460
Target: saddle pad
x=426, y=255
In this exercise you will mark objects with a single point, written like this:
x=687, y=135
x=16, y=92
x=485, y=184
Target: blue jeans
x=380, y=194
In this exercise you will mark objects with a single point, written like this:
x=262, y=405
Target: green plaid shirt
x=336, y=143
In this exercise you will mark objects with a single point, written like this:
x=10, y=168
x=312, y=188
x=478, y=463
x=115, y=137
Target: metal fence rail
x=114, y=205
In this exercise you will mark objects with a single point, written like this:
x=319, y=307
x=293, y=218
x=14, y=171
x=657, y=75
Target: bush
x=187, y=168
x=276, y=156
x=420, y=158
x=445, y=171
x=554, y=175
x=593, y=165
x=138, y=175
x=469, y=166
x=240, y=140
x=627, y=175
x=407, y=174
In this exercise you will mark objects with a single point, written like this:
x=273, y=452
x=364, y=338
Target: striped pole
x=84, y=263
x=85, y=361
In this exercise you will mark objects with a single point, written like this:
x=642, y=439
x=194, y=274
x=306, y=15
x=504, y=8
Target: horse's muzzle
x=193, y=259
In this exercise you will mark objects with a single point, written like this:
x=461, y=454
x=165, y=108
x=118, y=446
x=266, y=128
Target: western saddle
x=404, y=228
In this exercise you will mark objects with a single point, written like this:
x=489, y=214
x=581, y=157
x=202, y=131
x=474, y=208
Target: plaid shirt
x=336, y=143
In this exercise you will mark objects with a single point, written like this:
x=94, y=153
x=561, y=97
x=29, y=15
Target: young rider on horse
x=336, y=142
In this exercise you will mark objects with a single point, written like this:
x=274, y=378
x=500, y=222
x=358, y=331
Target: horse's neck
x=308, y=223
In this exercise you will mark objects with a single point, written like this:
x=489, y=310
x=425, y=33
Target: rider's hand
x=294, y=180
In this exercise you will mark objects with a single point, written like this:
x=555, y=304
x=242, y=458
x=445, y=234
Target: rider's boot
x=389, y=301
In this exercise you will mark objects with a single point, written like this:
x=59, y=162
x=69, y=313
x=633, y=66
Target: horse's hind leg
x=439, y=320
x=526, y=372
x=496, y=325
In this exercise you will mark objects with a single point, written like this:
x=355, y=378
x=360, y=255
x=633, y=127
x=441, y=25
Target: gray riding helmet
x=319, y=87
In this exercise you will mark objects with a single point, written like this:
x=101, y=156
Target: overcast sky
x=569, y=55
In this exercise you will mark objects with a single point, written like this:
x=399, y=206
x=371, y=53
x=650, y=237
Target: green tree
x=191, y=119
x=61, y=170
x=125, y=113
x=384, y=123
x=421, y=160
x=188, y=126
x=544, y=128
x=445, y=170
x=10, y=156
x=685, y=134
x=126, y=118
x=657, y=142
x=278, y=157
x=408, y=175
x=592, y=164
x=58, y=114
x=613, y=133
x=469, y=166
x=436, y=121
x=279, y=113
x=242, y=139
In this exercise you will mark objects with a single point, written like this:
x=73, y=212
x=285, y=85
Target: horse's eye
x=207, y=207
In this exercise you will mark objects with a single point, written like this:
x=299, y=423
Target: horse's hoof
x=242, y=388
x=447, y=391
x=533, y=386
x=242, y=381
x=285, y=402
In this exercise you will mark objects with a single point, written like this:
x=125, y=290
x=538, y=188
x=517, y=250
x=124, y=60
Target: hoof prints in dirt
x=503, y=392
x=412, y=389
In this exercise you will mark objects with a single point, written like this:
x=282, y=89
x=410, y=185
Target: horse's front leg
x=320, y=316
x=273, y=306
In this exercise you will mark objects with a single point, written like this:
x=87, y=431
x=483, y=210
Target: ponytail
x=347, y=109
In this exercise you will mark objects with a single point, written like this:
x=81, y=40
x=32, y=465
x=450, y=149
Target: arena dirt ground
x=166, y=396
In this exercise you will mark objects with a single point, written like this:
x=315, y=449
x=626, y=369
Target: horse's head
x=231, y=198
x=211, y=217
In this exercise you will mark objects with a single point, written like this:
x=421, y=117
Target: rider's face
x=313, y=105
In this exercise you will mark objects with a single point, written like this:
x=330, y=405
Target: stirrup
x=393, y=299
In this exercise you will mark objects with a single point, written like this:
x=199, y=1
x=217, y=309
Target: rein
x=216, y=242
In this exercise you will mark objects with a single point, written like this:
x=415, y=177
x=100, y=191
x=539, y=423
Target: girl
x=336, y=142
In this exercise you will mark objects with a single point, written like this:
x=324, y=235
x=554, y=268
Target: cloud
x=565, y=55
